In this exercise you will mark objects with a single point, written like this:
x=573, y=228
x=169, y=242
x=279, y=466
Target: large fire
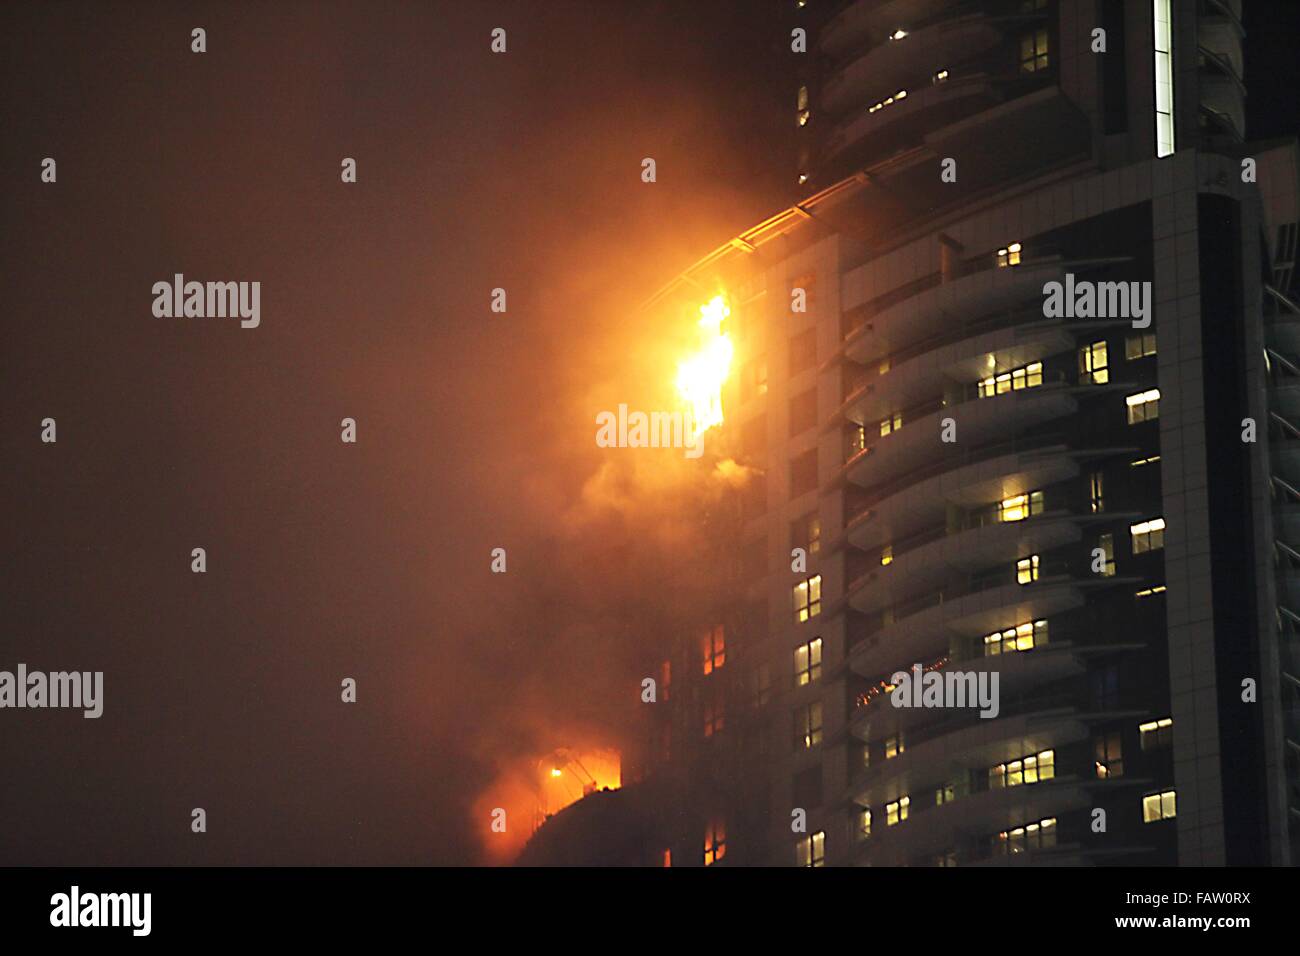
x=700, y=377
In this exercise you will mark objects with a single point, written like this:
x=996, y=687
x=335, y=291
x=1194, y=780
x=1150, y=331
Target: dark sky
x=475, y=430
x=328, y=560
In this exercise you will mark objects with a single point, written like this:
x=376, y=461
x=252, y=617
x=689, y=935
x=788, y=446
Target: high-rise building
x=1017, y=381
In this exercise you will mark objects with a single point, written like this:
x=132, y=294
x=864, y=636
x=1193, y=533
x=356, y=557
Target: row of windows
x=1108, y=751
x=1028, y=770
x=810, y=851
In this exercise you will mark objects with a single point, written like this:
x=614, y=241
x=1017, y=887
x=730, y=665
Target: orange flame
x=700, y=377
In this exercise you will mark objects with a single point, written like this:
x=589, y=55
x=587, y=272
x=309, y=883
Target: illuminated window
x=808, y=599
x=887, y=555
x=1164, y=76
x=802, y=100
x=1033, y=51
x=1031, y=376
x=715, y=842
x=1032, y=769
x=1159, y=806
x=896, y=812
x=806, y=533
x=714, y=647
x=1139, y=345
x=1022, y=637
x=1144, y=406
x=1155, y=734
x=1109, y=756
x=668, y=858
x=808, y=662
x=1096, y=492
x=1032, y=836
x=940, y=77
x=715, y=717
x=808, y=726
x=894, y=746
x=864, y=823
x=857, y=439
x=891, y=424
x=1093, y=365
x=887, y=101
x=1148, y=535
x=1106, y=543
x=1020, y=507
x=945, y=794
x=1027, y=570
x=811, y=850
x=1010, y=256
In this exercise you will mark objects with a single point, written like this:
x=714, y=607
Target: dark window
x=803, y=351
x=803, y=473
x=803, y=412
x=807, y=789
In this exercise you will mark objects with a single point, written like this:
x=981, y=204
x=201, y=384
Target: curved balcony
x=909, y=117
x=1017, y=671
x=928, y=566
x=1283, y=334
x=924, y=504
x=871, y=21
x=979, y=421
x=928, y=632
x=967, y=361
x=976, y=817
x=1222, y=92
x=909, y=62
x=973, y=746
x=941, y=308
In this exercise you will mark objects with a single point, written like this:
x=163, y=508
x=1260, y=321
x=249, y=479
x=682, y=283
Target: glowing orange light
x=700, y=377
x=556, y=771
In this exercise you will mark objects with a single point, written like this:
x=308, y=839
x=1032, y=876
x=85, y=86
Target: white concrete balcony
x=908, y=62
x=929, y=565
x=923, y=767
x=923, y=377
x=1018, y=672
x=914, y=507
x=927, y=633
x=942, y=308
x=978, y=422
x=871, y=21
x=977, y=817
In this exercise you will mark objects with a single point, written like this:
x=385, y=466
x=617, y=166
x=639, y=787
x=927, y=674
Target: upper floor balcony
x=918, y=445
x=994, y=476
x=940, y=308
x=911, y=61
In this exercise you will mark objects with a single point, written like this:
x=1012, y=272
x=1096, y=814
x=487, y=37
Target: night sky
x=475, y=430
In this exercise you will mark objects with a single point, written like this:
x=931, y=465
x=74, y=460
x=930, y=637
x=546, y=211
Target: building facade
x=1016, y=380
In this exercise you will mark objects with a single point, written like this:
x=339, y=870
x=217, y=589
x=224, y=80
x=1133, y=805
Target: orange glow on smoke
x=700, y=378
x=532, y=789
